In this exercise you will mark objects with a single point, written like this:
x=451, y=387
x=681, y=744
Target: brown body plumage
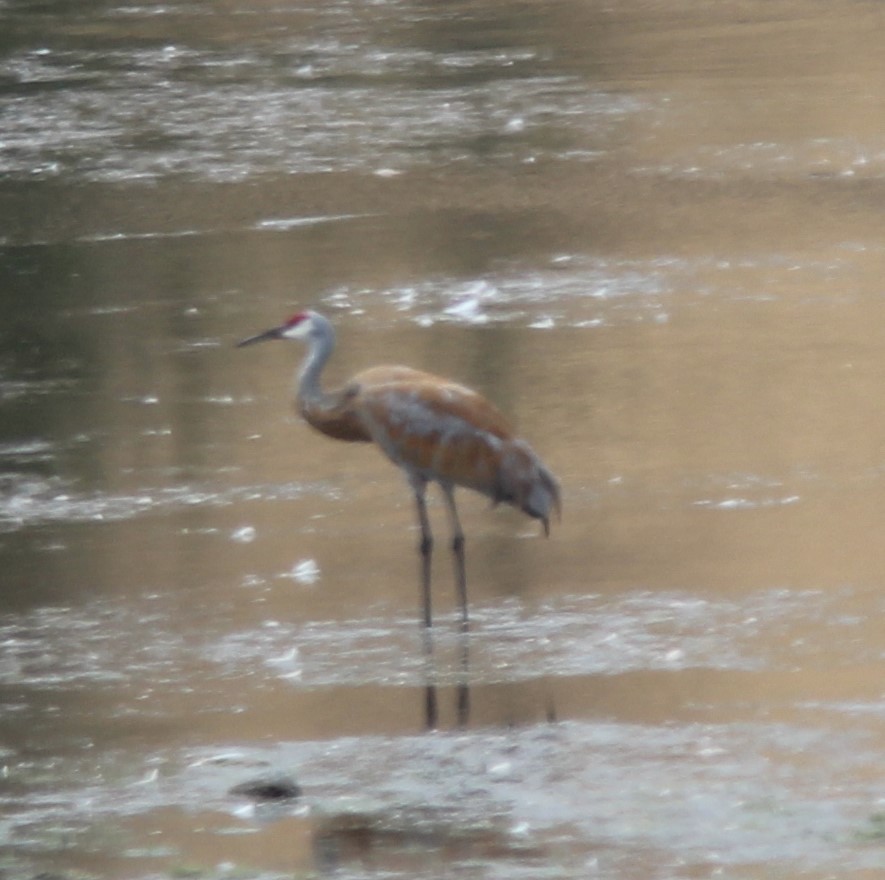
x=434, y=429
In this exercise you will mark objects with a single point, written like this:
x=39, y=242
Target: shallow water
x=649, y=232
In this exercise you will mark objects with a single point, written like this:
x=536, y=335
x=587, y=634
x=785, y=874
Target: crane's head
x=299, y=326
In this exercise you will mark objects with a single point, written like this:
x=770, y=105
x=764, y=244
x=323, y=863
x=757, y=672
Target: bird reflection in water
x=462, y=685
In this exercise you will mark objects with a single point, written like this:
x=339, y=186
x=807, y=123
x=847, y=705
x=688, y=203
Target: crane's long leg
x=458, y=553
x=425, y=546
x=425, y=550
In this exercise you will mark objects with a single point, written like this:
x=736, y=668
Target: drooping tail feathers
x=526, y=483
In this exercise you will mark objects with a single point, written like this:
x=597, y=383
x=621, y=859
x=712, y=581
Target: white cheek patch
x=298, y=331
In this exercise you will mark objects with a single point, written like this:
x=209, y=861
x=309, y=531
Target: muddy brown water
x=651, y=232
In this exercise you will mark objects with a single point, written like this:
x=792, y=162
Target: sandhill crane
x=433, y=429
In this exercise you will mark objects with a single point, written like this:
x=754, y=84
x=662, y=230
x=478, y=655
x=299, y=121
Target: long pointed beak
x=273, y=333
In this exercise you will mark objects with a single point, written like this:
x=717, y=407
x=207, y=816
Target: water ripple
x=316, y=106
x=27, y=499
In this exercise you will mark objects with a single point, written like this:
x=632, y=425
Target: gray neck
x=321, y=342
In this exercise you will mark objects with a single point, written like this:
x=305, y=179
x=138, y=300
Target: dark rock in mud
x=275, y=787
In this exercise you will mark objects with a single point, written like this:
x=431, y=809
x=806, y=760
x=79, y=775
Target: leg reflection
x=459, y=678
x=464, y=679
x=431, y=710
